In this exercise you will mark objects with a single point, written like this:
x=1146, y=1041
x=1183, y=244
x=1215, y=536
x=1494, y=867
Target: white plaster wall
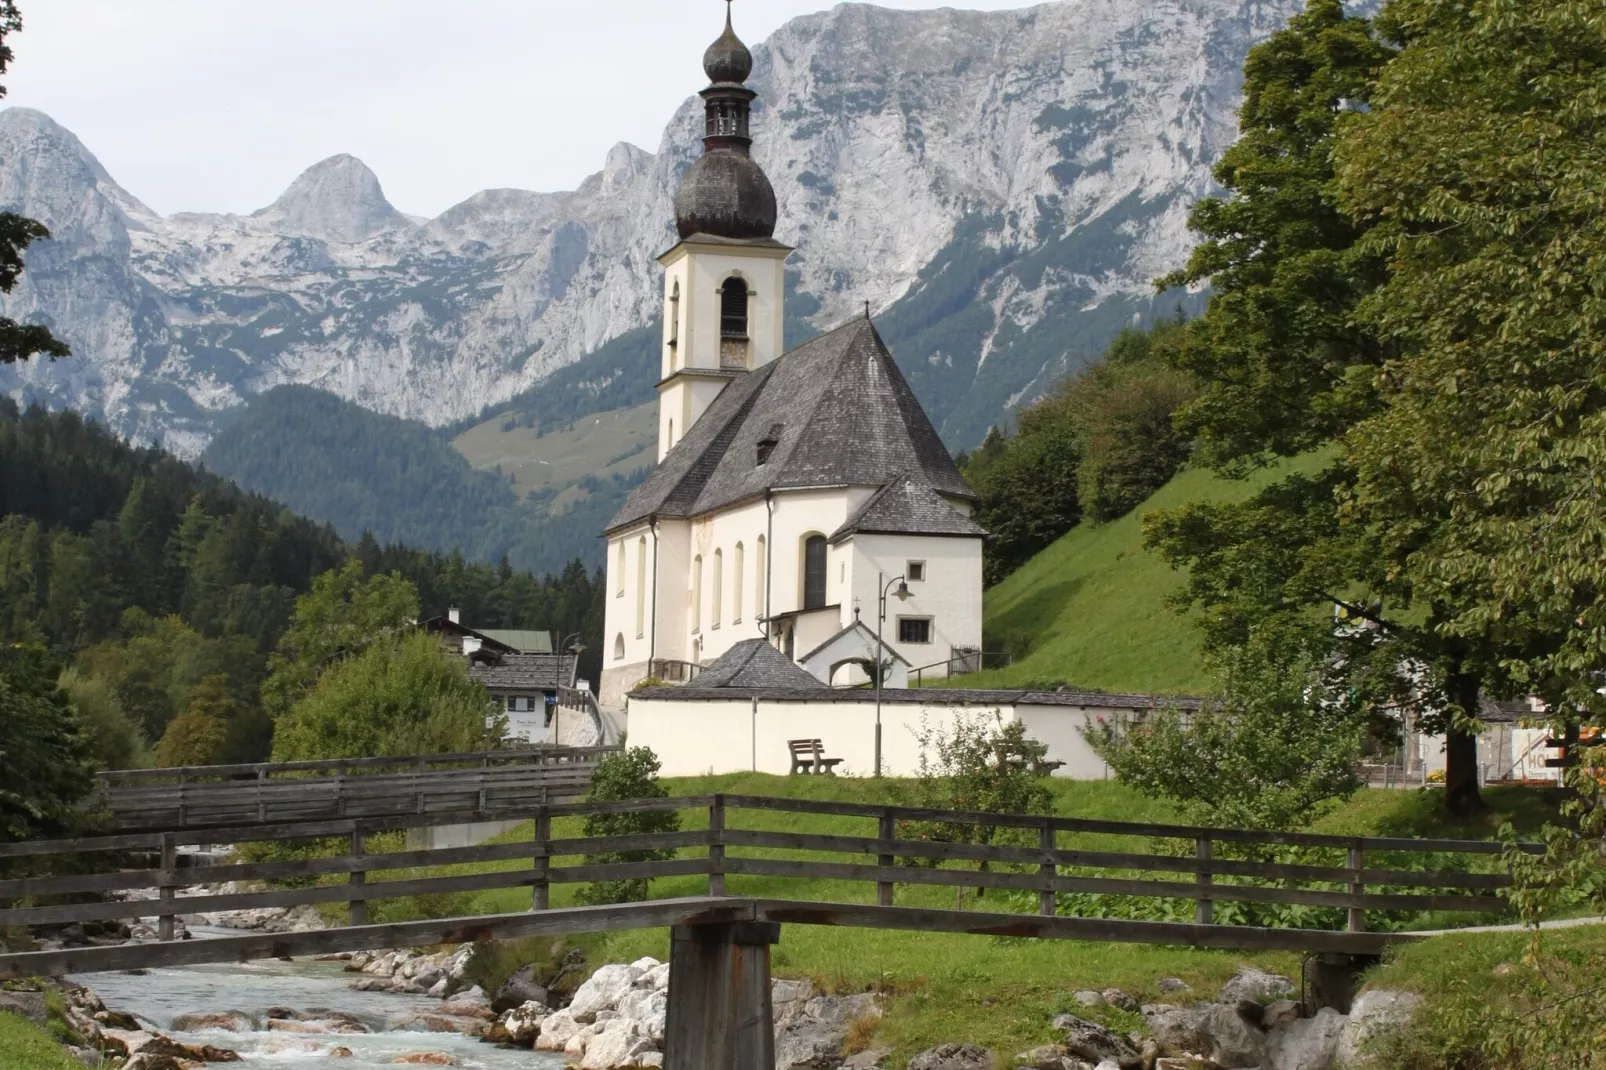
x=694, y=737
x=951, y=594
x=1060, y=729
x=744, y=524
x=705, y=270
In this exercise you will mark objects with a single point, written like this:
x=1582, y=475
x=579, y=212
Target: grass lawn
x=24, y=1046
x=1092, y=607
x=999, y=992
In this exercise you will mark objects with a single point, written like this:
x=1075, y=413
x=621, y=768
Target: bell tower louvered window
x=814, y=572
x=733, y=302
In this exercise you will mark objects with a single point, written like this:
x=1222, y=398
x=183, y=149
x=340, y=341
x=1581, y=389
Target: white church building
x=796, y=493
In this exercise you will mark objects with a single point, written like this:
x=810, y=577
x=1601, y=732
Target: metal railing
x=961, y=662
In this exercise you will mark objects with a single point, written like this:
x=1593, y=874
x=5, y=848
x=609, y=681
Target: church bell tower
x=724, y=281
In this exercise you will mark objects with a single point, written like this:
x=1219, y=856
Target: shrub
x=627, y=774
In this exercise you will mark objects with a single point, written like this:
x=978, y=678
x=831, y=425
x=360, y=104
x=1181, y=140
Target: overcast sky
x=216, y=105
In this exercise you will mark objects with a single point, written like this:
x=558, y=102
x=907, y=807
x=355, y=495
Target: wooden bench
x=808, y=756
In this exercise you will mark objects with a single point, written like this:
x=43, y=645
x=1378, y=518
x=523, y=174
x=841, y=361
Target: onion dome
x=726, y=194
x=727, y=59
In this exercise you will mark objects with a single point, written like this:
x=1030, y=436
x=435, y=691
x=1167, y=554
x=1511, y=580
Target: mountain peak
x=338, y=199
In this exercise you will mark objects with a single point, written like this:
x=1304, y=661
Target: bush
x=627, y=774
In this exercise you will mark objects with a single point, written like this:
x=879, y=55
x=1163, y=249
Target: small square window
x=915, y=571
x=914, y=629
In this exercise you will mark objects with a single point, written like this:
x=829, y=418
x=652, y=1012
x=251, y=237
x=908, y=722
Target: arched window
x=641, y=587
x=736, y=578
x=619, y=647
x=619, y=571
x=733, y=309
x=697, y=593
x=715, y=608
x=760, y=605
x=674, y=326
x=814, y=572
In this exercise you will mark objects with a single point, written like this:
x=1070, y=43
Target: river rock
x=148, y=1061
x=341, y=1053
x=1089, y=998
x=426, y=1022
x=1119, y=1000
x=30, y=1005
x=787, y=998
x=520, y=988
x=556, y=1031
x=813, y=1035
x=1091, y=1041
x=657, y=977
x=1169, y=985
x=1213, y=1030
x=1305, y=1043
x=522, y=1024
x=603, y=990
x=953, y=1057
x=223, y=1021
x=1373, y=1014
x=620, y=1041
x=425, y=1058
x=467, y=1008
x=870, y=1059
x=1253, y=983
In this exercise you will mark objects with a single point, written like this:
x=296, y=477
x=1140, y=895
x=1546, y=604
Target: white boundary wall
x=697, y=736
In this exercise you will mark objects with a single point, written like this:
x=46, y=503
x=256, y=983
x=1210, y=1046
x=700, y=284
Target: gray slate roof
x=907, y=506
x=527, y=672
x=846, y=417
x=751, y=663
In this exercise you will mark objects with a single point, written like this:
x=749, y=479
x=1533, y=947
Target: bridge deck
x=690, y=911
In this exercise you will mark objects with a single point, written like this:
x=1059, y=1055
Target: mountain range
x=1000, y=186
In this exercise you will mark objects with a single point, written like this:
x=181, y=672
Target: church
x=802, y=498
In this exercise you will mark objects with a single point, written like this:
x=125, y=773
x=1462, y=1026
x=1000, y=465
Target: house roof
x=527, y=672
x=869, y=639
x=906, y=506
x=524, y=640
x=448, y=626
x=846, y=417
x=749, y=664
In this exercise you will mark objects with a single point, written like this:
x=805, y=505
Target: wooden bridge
x=719, y=1013
x=225, y=796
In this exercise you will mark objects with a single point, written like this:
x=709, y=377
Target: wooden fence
x=724, y=851
x=198, y=797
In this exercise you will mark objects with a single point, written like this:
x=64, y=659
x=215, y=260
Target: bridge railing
x=197, y=797
x=733, y=845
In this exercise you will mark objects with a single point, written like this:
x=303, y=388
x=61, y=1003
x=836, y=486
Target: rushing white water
x=157, y=997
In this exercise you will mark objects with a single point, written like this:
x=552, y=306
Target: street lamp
x=902, y=595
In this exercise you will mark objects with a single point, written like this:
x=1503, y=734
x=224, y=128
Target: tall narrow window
x=715, y=608
x=760, y=605
x=736, y=580
x=697, y=593
x=674, y=326
x=619, y=571
x=641, y=587
x=733, y=308
x=814, y=572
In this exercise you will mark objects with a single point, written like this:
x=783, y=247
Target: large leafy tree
x=19, y=341
x=44, y=758
x=1291, y=369
x=1483, y=171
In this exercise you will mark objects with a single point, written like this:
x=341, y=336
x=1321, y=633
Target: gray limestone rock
x=1093, y=1042
x=1374, y=1013
x=1253, y=983
x=953, y=1057
x=1305, y=1043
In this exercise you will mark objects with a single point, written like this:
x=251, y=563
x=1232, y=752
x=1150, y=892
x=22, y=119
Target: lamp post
x=902, y=595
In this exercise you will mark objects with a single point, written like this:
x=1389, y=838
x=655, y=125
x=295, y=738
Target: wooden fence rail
x=208, y=796
x=725, y=850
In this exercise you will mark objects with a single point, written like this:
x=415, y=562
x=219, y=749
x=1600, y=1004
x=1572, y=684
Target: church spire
x=726, y=194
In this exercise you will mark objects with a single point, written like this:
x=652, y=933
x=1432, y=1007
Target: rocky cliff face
x=1001, y=186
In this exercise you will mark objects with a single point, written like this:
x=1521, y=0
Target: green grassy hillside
x=1091, y=610
x=558, y=458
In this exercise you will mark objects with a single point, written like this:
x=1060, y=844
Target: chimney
x=455, y=616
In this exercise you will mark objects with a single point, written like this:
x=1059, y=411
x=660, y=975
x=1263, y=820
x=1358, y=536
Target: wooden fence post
x=541, y=896
x=716, y=847
x=164, y=917
x=181, y=814
x=262, y=802
x=1357, y=915
x=1203, y=908
x=357, y=909
x=485, y=765
x=1045, y=897
x=888, y=831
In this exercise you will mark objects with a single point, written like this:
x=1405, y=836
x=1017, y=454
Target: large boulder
x=29, y=1005
x=223, y=1021
x=619, y=1043
x=556, y=1031
x=603, y=991
x=1214, y=1030
x=953, y=1057
x=811, y=1037
x=1091, y=1041
x=1373, y=1014
x=1253, y=983
x=1305, y=1043
x=522, y=1025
